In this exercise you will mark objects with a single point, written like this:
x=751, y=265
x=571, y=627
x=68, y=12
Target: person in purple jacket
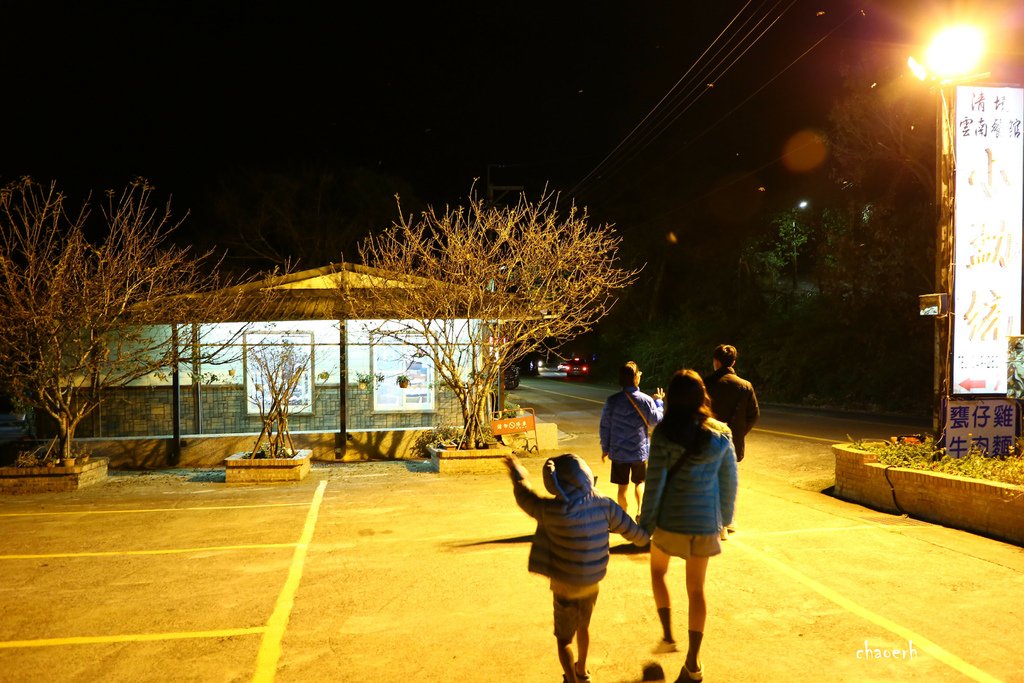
x=627, y=420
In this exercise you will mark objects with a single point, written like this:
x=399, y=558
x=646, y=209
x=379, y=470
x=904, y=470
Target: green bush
x=1008, y=469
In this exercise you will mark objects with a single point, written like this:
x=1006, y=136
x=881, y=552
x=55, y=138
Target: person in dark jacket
x=691, y=494
x=571, y=547
x=733, y=400
x=627, y=418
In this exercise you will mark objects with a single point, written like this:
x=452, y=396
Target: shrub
x=437, y=437
x=924, y=455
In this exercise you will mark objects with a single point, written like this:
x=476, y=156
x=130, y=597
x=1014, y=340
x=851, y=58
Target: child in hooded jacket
x=571, y=547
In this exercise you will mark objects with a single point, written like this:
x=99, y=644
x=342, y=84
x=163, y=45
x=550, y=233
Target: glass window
x=396, y=363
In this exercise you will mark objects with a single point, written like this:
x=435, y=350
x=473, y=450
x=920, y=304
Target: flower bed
x=240, y=468
x=468, y=460
x=52, y=479
x=990, y=508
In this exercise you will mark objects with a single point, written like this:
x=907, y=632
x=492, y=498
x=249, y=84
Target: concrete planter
x=52, y=479
x=469, y=461
x=241, y=469
x=984, y=507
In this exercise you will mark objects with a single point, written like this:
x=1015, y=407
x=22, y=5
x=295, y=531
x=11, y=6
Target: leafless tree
x=83, y=314
x=476, y=288
x=277, y=370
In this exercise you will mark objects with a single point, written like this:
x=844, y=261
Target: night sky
x=438, y=94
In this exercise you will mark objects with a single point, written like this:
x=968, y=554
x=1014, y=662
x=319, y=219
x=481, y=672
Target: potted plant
x=403, y=381
x=365, y=379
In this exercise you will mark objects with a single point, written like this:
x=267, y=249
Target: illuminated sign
x=987, y=235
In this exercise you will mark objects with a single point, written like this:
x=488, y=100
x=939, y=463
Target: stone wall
x=989, y=508
x=147, y=412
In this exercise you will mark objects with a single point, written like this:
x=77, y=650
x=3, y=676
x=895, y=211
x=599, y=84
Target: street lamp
x=955, y=52
x=950, y=59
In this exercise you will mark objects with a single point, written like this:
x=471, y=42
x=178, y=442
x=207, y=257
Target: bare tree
x=81, y=314
x=277, y=371
x=478, y=287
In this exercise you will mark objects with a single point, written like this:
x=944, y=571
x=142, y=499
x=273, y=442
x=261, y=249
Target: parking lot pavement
x=386, y=571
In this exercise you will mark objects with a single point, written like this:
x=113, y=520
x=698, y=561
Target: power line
x=699, y=89
x=660, y=102
x=747, y=99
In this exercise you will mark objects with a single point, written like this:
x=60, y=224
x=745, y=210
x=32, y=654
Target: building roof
x=326, y=293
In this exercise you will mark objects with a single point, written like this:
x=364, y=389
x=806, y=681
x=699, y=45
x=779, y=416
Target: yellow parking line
x=270, y=646
x=146, y=510
x=165, y=551
x=919, y=641
x=132, y=638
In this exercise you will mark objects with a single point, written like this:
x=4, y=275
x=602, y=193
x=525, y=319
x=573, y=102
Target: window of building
x=396, y=362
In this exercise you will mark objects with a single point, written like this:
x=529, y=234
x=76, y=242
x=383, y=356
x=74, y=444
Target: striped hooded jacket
x=571, y=541
x=700, y=497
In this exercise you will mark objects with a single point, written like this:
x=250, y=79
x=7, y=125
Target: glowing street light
x=956, y=51
x=954, y=54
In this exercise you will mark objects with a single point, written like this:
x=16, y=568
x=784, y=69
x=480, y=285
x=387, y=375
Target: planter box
x=990, y=508
x=240, y=469
x=469, y=461
x=52, y=479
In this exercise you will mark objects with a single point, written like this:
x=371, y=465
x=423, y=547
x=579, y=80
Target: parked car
x=510, y=378
x=575, y=367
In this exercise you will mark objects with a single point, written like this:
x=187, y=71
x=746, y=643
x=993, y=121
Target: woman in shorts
x=690, y=496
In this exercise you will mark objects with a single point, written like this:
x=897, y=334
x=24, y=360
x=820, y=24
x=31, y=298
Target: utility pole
x=944, y=173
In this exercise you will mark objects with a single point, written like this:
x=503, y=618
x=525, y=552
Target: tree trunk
x=66, y=425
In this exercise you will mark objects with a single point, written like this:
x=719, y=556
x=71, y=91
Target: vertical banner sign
x=987, y=235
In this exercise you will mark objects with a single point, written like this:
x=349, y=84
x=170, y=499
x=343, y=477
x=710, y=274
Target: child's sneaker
x=665, y=646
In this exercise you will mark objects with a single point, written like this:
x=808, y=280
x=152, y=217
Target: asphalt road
x=388, y=572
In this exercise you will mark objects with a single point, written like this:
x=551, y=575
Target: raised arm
x=526, y=497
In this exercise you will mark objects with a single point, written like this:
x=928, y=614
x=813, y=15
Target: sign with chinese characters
x=988, y=424
x=523, y=420
x=987, y=235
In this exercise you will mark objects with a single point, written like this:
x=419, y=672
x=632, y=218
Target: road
x=575, y=405
x=385, y=571
x=572, y=399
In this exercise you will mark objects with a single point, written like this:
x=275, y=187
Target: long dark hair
x=687, y=408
